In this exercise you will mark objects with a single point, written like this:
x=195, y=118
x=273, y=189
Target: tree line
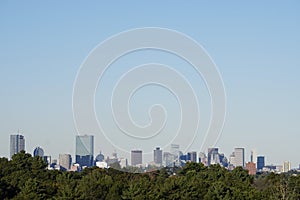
x=26, y=177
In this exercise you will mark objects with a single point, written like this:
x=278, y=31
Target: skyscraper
x=38, y=151
x=136, y=157
x=17, y=144
x=85, y=150
x=239, y=157
x=286, y=166
x=213, y=156
x=157, y=156
x=65, y=161
x=260, y=162
x=192, y=156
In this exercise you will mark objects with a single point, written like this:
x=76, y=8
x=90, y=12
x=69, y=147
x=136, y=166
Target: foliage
x=26, y=177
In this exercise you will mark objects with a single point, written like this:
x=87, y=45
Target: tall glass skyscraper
x=17, y=144
x=85, y=150
x=260, y=162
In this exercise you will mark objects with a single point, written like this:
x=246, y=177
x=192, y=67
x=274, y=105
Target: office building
x=38, y=151
x=239, y=157
x=17, y=144
x=213, y=156
x=157, y=156
x=192, y=156
x=260, y=162
x=286, y=166
x=65, y=161
x=136, y=157
x=85, y=150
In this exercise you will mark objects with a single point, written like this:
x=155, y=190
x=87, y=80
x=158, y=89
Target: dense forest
x=26, y=177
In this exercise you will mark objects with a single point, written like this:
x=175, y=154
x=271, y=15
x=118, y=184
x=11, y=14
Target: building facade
x=157, y=156
x=239, y=157
x=213, y=156
x=286, y=166
x=85, y=150
x=65, y=161
x=17, y=144
x=192, y=156
x=38, y=151
x=136, y=157
x=251, y=167
x=260, y=162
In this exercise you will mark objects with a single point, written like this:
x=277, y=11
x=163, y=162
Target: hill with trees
x=26, y=177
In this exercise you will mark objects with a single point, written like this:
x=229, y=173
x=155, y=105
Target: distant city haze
x=255, y=46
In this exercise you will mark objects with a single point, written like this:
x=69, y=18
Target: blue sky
x=255, y=46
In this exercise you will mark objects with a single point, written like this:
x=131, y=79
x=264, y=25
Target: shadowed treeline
x=26, y=177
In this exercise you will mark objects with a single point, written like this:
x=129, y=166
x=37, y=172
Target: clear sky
x=256, y=47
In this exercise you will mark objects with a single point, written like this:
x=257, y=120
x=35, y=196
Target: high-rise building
x=213, y=156
x=136, y=157
x=157, y=156
x=192, y=156
x=260, y=162
x=175, y=151
x=239, y=157
x=85, y=150
x=17, y=144
x=231, y=159
x=251, y=167
x=65, y=161
x=38, y=151
x=286, y=166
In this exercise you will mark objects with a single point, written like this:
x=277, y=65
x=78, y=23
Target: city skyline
x=254, y=45
x=85, y=156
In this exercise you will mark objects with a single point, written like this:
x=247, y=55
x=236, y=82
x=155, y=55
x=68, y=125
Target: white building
x=239, y=157
x=123, y=163
x=102, y=164
x=286, y=166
